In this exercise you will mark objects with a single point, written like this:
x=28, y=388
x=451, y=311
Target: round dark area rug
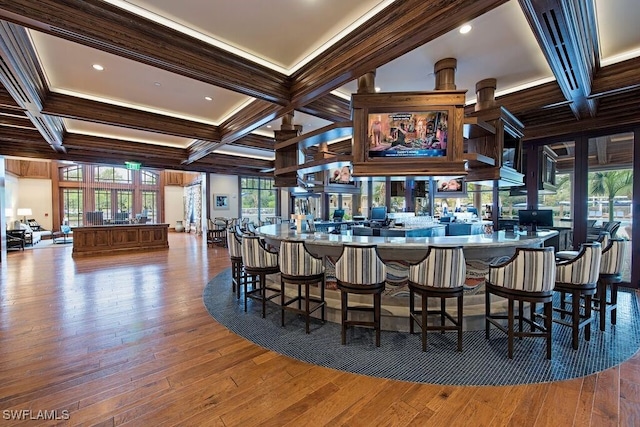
x=400, y=356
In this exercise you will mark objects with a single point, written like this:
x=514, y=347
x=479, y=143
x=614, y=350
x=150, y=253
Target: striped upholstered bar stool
x=578, y=277
x=300, y=268
x=440, y=274
x=610, y=277
x=360, y=271
x=234, y=246
x=528, y=276
x=258, y=263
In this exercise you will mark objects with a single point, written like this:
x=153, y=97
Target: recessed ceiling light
x=208, y=98
x=268, y=126
x=377, y=89
x=98, y=67
x=465, y=29
x=157, y=84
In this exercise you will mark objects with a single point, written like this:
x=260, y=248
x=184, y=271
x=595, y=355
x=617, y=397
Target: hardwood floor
x=126, y=340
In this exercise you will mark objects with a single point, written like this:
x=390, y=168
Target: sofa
x=32, y=237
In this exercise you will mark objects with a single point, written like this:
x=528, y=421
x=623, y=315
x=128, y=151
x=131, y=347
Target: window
x=259, y=198
x=110, y=193
x=149, y=205
x=113, y=174
x=72, y=202
x=148, y=178
x=72, y=173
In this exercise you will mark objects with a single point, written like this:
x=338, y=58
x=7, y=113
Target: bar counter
x=118, y=238
x=478, y=246
x=397, y=252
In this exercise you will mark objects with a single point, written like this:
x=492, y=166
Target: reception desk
x=118, y=238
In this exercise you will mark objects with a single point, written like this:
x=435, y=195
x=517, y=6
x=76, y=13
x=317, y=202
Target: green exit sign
x=133, y=165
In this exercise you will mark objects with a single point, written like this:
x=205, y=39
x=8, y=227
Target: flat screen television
x=535, y=218
x=341, y=175
x=338, y=215
x=378, y=214
x=408, y=134
x=451, y=187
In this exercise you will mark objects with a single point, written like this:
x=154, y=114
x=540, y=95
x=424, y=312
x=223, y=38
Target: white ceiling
x=287, y=33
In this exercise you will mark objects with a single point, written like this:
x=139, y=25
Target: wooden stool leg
x=376, y=315
x=412, y=310
x=602, y=305
x=282, y=285
x=343, y=296
x=587, y=314
x=263, y=292
x=324, y=304
x=614, y=303
x=460, y=323
x=548, y=311
x=575, y=318
x=306, y=306
x=425, y=306
x=487, y=310
x=511, y=327
x=442, y=310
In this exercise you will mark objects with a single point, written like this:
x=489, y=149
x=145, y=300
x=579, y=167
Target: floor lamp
x=24, y=212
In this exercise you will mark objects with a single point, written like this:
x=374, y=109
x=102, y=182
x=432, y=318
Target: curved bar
x=479, y=246
x=397, y=252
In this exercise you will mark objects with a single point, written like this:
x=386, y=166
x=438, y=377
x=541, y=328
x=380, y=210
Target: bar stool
x=610, y=276
x=359, y=270
x=238, y=275
x=259, y=262
x=528, y=276
x=440, y=274
x=603, y=239
x=301, y=268
x=578, y=277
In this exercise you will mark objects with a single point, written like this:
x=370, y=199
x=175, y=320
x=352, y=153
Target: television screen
x=338, y=214
x=535, y=218
x=451, y=187
x=378, y=213
x=341, y=175
x=408, y=134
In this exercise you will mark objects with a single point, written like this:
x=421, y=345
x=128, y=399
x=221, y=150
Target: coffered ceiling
x=561, y=66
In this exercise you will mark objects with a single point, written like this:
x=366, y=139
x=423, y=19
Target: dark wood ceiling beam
x=102, y=26
x=6, y=100
x=72, y=107
x=23, y=79
x=617, y=78
x=329, y=107
x=256, y=141
x=615, y=113
x=567, y=34
x=541, y=97
x=256, y=114
x=399, y=29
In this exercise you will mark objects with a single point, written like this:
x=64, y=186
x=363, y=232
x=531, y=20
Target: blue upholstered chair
x=528, y=276
x=359, y=270
x=578, y=277
x=440, y=274
x=259, y=262
x=300, y=268
x=610, y=277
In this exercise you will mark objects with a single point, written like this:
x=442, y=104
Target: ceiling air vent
x=555, y=32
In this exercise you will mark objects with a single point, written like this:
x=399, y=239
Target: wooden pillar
x=445, y=71
x=485, y=94
x=366, y=83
